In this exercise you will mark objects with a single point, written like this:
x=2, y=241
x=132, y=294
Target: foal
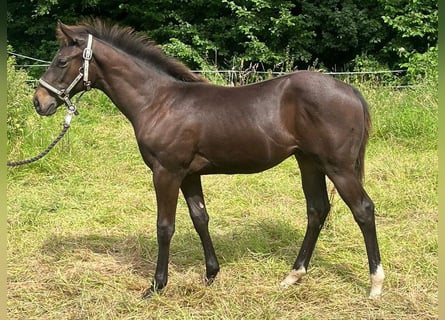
x=186, y=127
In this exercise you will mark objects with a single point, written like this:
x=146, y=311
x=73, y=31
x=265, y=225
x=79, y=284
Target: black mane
x=136, y=44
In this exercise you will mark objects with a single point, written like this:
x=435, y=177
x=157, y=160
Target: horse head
x=63, y=78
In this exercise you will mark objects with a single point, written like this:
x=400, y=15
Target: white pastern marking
x=293, y=277
x=377, y=282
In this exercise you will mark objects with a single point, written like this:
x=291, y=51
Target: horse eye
x=62, y=63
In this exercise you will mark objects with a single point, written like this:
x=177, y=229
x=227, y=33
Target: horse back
x=214, y=129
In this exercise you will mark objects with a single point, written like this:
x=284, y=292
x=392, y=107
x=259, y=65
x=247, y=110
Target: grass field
x=82, y=237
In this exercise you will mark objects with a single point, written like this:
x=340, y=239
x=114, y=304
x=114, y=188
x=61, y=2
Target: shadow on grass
x=277, y=240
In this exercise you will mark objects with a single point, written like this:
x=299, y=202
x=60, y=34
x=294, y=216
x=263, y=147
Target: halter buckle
x=63, y=94
x=87, y=85
x=87, y=54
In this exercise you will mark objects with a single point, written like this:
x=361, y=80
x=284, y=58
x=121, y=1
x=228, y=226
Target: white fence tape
x=230, y=73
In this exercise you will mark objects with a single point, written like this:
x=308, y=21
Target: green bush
x=423, y=67
x=365, y=63
x=19, y=95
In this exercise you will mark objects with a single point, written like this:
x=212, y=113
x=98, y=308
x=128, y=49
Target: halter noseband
x=63, y=94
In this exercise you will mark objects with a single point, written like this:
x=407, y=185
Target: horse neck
x=130, y=83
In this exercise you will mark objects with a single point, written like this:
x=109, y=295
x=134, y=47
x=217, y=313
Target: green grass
x=82, y=236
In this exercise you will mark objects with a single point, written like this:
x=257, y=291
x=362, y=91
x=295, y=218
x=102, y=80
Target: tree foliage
x=414, y=24
x=276, y=35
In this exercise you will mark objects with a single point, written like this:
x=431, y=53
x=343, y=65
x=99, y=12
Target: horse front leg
x=192, y=190
x=167, y=189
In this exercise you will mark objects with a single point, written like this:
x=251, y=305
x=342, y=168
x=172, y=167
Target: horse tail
x=360, y=162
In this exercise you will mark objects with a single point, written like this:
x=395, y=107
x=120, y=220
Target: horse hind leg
x=350, y=188
x=314, y=188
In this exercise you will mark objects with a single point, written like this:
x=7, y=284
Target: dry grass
x=82, y=240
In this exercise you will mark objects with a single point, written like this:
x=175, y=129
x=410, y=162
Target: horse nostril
x=36, y=103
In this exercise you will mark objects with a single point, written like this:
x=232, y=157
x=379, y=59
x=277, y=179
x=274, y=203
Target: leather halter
x=63, y=94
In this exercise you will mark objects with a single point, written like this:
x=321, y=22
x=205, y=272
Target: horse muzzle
x=44, y=103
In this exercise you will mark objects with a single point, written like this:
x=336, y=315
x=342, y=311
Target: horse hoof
x=209, y=280
x=293, y=277
x=374, y=296
x=148, y=293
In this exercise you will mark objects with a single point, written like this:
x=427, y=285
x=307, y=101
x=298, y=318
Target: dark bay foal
x=186, y=127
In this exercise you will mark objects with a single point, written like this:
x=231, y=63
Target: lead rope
x=66, y=125
x=43, y=153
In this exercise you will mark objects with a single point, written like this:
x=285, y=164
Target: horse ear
x=67, y=34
